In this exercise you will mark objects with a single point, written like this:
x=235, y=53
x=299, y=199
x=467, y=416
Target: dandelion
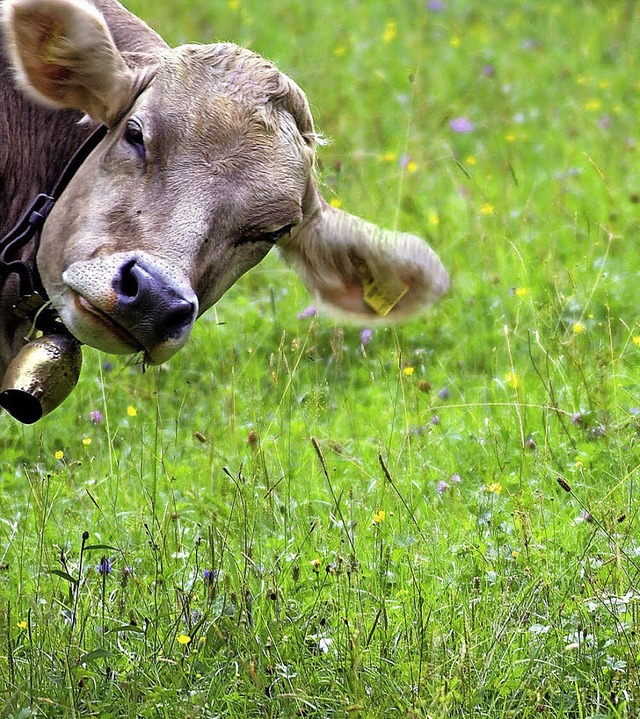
x=462, y=125
x=408, y=371
x=336, y=202
x=22, y=624
x=487, y=209
x=471, y=160
x=512, y=380
x=310, y=311
x=95, y=416
x=86, y=441
x=577, y=327
x=132, y=411
x=494, y=488
x=520, y=291
x=183, y=639
x=390, y=31
x=379, y=516
x=412, y=167
x=59, y=455
x=105, y=567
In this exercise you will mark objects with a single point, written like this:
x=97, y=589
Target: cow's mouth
x=107, y=323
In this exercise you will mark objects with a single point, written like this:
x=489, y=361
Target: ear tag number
x=381, y=295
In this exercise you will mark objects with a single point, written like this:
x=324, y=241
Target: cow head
x=208, y=163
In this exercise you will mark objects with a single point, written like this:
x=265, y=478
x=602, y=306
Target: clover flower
x=462, y=125
x=95, y=416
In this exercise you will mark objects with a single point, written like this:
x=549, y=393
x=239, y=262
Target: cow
x=206, y=163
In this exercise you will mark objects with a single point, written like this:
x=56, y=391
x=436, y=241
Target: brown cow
x=206, y=165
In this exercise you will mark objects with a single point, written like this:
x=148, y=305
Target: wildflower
x=340, y=51
x=22, y=624
x=592, y=105
x=183, y=639
x=576, y=418
x=471, y=160
x=435, y=6
x=578, y=327
x=408, y=371
x=520, y=291
x=365, y=337
x=442, y=487
x=95, y=416
x=132, y=411
x=233, y=4
x=412, y=166
x=434, y=218
x=636, y=340
x=310, y=311
x=444, y=393
x=315, y=563
x=512, y=380
x=435, y=420
x=494, y=488
x=456, y=478
x=487, y=209
x=462, y=125
x=391, y=156
x=86, y=441
x=59, y=454
x=107, y=366
x=105, y=567
x=379, y=516
x=336, y=202
x=390, y=31
x=488, y=71
x=455, y=41
x=210, y=575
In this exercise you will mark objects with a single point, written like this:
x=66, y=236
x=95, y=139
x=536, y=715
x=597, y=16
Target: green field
x=286, y=522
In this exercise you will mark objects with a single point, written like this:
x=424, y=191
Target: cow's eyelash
x=134, y=137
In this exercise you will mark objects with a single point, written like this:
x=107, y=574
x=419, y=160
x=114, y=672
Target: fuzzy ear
x=64, y=56
x=361, y=271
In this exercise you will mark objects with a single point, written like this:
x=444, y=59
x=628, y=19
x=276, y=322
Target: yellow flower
x=389, y=156
x=379, y=516
x=390, y=31
x=487, y=209
x=22, y=624
x=335, y=202
x=340, y=51
x=233, y=4
x=412, y=166
x=578, y=327
x=132, y=411
x=471, y=160
x=520, y=291
x=636, y=340
x=592, y=105
x=183, y=639
x=86, y=441
x=59, y=454
x=510, y=137
x=494, y=488
x=512, y=380
x=434, y=218
x=455, y=41
x=408, y=371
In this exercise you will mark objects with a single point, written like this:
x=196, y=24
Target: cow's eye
x=276, y=234
x=133, y=136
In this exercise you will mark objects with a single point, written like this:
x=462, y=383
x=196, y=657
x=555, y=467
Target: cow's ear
x=360, y=271
x=64, y=56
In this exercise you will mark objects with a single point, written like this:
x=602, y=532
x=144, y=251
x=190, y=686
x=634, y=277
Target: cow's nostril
x=126, y=284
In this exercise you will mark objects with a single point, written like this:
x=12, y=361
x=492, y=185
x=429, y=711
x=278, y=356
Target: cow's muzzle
x=128, y=303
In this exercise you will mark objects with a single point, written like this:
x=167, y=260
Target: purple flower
x=462, y=125
x=107, y=366
x=442, y=487
x=95, y=416
x=310, y=311
x=488, y=71
x=365, y=337
x=210, y=575
x=444, y=393
x=105, y=567
x=435, y=6
x=435, y=420
x=576, y=418
x=456, y=478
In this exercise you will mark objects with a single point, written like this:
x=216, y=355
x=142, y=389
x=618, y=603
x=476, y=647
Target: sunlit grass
x=440, y=521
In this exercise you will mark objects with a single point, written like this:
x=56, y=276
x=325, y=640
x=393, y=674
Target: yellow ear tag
x=382, y=295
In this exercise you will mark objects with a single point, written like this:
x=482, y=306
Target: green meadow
x=292, y=518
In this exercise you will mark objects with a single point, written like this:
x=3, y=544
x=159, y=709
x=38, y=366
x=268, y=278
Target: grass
x=283, y=522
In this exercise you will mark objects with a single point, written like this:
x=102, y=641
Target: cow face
x=207, y=165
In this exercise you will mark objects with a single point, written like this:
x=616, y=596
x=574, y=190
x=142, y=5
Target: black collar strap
x=32, y=295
